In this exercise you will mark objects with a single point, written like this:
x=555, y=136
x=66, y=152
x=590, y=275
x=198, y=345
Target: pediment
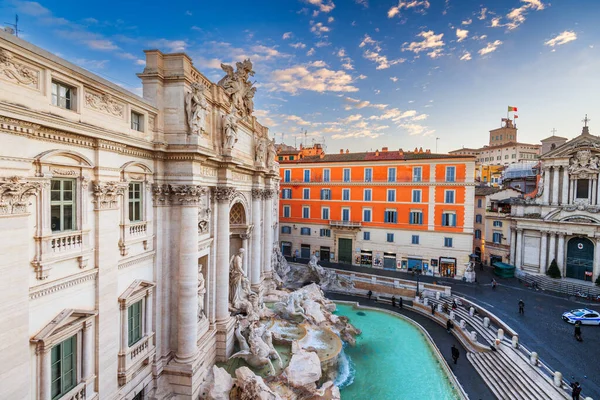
x=137, y=286
x=63, y=320
x=570, y=148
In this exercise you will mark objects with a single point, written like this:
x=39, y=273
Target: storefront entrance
x=447, y=267
x=305, y=251
x=580, y=258
x=415, y=264
x=345, y=251
x=366, y=258
x=325, y=253
x=286, y=249
x=389, y=260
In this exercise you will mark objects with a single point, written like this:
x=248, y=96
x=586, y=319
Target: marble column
x=513, y=245
x=572, y=191
x=149, y=314
x=561, y=253
x=45, y=380
x=555, y=176
x=597, y=190
x=552, y=247
x=188, y=198
x=519, y=255
x=87, y=340
x=565, y=186
x=267, y=231
x=546, y=193
x=223, y=195
x=247, y=269
x=590, y=190
x=256, y=238
x=544, y=253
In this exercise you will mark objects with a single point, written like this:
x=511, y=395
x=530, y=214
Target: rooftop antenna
x=282, y=138
x=13, y=28
x=306, y=133
x=436, y=142
x=553, y=130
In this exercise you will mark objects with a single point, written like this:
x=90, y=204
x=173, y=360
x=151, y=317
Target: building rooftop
x=376, y=156
x=486, y=190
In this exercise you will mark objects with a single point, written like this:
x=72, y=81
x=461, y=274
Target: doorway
x=325, y=253
x=345, y=251
x=580, y=258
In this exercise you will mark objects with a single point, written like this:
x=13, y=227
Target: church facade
x=562, y=221
x=119, y=217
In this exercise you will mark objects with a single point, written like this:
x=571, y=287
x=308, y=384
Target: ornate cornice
x=53, y=287
x=14, y=195
x=136, y=260
x=187, y=194
x=106, y=194
x=224, y=193
x=16, y=71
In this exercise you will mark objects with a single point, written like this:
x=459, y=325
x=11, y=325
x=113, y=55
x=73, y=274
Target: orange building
x=386, y=209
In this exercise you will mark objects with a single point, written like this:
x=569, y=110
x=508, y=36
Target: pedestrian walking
x=394, y=301
x=521, y=307
x=494, y=284
x=455, y=354
x=400, y=303
x=432, y=309
x=578, y=331
x=454, y=305
x=449, y=325
x=369, y=294
x=576, y=390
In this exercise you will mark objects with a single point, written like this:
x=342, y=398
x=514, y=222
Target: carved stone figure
x=230, y=130
x=255, y=351
x=201, y=293
x=237, y=86
x=196, y=107
x=540, y=186
x=236, y=276
x=104, y=102
x=16, y=71
x=583, y=163
x=271, y=154
x=259, y=151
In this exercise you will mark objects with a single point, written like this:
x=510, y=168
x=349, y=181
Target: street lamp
x=418, y=274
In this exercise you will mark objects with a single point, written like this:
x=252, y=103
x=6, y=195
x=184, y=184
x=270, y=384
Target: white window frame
x=420, y=174
x=73, y=95
x=306, y=208
x=287, y=175
x=346, y=190
x=420, y=192
x=323, y=209
x=455, y=219
x=305, y=191
x=451, y=168
x=388, y=195
x=140, y=121
x=304, y=175
x=370, y=191
x=370, y=179
x=446, y=196
x=283, y=194
x=391, y=178
x=370, y=210
x=349, y=175
x=328, y=171
x=349, y=214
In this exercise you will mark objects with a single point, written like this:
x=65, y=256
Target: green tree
x=553, y=271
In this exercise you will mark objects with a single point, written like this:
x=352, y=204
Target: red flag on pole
x=516, y=116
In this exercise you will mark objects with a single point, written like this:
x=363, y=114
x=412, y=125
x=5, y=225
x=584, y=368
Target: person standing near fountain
x=400, y=303
x=394, y=301
x=455, y=354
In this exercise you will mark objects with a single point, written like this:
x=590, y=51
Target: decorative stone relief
x=224, y=193
x=583, y=165
x=106, y=194
x=105, y=103
x=267, y=193
x=160, y=194
x=201, y=293
x=257, y=193
x=187, y=194
x=14, y=195
x=204, y=212
x=230, y=127
x=271, y=153
x=16, y=71
x=238, y=87
x=196, y=108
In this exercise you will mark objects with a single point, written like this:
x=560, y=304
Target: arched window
x=237, y=215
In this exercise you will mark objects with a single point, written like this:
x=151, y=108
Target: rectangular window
x=449, y=197
x=366, y=235
x=582, y=188
x=306, y=212
x=415, y=218
x=287, y=175
x=415, y=239
x=367, y=215
x=306, y=194
x=305, y=231
x=62, y=205
x=325, y=194
x=498, y=224
x=390, y=216
x=390, y=238
x=325, y=213
x=346, y=174
x=286, y=229
x=450, y=174
x=368, y=174
x=63, y=367
x=307, y=175
x=391, y=174
x=345, y=214
x=134, y=322
x=447, y=242
x=135, y=201
x=286, y=194
x=417, y=174
x=137, y=122
x=286, y=211
x=416, y=196
x=477, y=234
x=291, y=158
x=391, y=195
x=325, y=233
x=326, y=175
x=448, y=219
x=63, y=96
x=497, y=237
x=479, y=202
x=346, y=194
x=367, y=195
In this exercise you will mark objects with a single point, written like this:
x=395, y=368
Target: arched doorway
x=580, y=258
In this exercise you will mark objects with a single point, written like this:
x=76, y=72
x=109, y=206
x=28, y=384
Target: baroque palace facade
x=385, y=209
x=118, y=217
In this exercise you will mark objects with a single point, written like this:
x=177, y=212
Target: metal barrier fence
x=560, y=286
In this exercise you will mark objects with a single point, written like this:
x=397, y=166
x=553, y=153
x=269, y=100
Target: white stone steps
x=486, y=375
x=503, y=378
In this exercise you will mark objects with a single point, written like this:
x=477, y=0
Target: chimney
x=416, y=150
x=322, y=155
x=420, y=149
x=428, y=151
x=401, y=152
x=347, y=151
x=384, y=149
x=341, y=151
x=377, y=153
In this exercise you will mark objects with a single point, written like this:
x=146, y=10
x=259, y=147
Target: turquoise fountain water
x=392, y=360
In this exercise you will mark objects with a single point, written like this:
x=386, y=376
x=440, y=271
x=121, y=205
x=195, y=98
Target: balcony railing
x=134, y=355
x=65, y=242
x=77, y=393
x=138, y=228
x=345, y=224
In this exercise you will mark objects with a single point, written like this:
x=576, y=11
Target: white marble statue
x=236, y=278
x=196, y=107
x=271, y=153
x=258, y=349
x=201, y=293
x=230, y=130
x=259, y=151
x=238, y=87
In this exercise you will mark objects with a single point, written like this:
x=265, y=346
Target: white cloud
x=324, y=5
x=91, y=64
x=394, y=79
x=364, y=3
x=467, y=22
x=286, y=35
x=562, y=38
x=348, y=66
x=495, y=23
x=310, y=52
x=381, y=60
x=482, y=13
x=516, y=16
x=420, y=117
x=298, y=45
x=358, y=104
x=298, y=120
x=264, y=118
x=418, y=5
x=330, y=20
x=466, y=56
x=461, y=34
x=318, y=64
x=415, y=129
x=322, y=43
x=369, y=41
x=303, y=77
x=101, y=44
x=482, y=37
x=431, y=42
x=491, y=47
x=361, y=76
x=351, y=118
x=318, y=28
x=188, y=12
x=170, y=45
x=394, y=115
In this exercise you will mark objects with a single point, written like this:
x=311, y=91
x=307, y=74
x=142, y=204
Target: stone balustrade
x=77, y=393
x=135, y=355
x=65, y=242
x=138, y=228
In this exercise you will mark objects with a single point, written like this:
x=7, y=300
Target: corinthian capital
x=187, y=194
x=257, y=193
x=268, y=193
x=106, y=194
x=224, y=193
x=14, y=195
x=160, y=194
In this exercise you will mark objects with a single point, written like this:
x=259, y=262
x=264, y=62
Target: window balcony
x=132, y=233
x=345, y=224
x=77, y=393
x=136, y=356
x=59, y=247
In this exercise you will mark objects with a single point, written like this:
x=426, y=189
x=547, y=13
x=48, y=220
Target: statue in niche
x=196, y=108
x=230, y=130
x=271, y=153
x=259, y=151
x=238, y=87
x=201, y=293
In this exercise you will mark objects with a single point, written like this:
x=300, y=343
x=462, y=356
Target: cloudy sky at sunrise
x=358, y=74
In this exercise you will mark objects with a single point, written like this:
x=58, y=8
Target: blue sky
x=358, y=74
